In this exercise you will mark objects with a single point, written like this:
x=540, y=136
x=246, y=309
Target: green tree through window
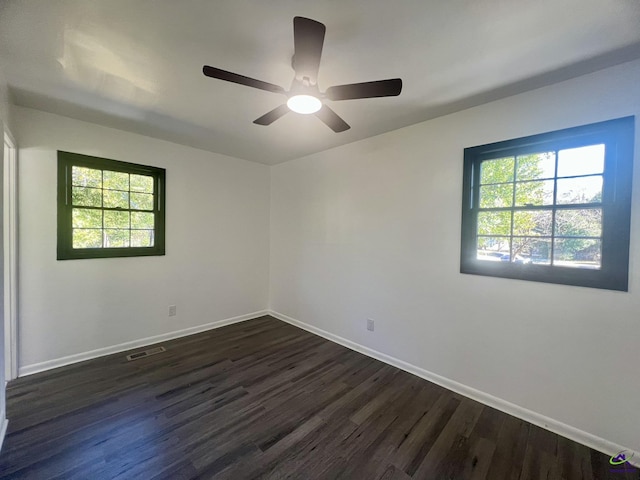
x=507, y=223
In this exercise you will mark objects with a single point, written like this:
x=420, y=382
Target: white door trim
x=10, y=237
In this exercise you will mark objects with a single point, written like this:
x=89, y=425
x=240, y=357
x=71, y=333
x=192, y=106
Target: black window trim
x=66, y=160
x=618, y=135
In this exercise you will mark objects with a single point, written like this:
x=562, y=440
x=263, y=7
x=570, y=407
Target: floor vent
x=146, y=353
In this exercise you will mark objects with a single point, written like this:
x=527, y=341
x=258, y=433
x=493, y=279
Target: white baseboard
x=142, y=342
x=555, y=426
x=3, y=431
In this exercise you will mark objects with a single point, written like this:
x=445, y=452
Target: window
x=552, y=208
x=108, y=208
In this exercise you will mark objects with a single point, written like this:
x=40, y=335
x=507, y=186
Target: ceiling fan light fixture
x=304, y=104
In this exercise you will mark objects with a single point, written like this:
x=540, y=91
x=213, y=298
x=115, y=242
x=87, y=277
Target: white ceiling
x=137, y=65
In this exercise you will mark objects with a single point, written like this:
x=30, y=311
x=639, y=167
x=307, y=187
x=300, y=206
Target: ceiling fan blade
x=331, y=118
x=308, y=37
x=272, y=116
x=379, y=88
x=214, y=72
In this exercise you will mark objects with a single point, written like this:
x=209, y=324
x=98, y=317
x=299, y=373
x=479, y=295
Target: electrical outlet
x=370, y=325
x=172, y=310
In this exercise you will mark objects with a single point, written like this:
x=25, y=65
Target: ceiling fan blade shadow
x=378, y=88
x=308, y=37
x=270, y=117
x=220, y=74
x=332, y=119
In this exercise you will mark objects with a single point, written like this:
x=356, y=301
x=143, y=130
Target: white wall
x=217, y=244
x=5, y=104
x=372, y=229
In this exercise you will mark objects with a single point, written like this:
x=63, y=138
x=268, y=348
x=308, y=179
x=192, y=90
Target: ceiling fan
x=304, y=95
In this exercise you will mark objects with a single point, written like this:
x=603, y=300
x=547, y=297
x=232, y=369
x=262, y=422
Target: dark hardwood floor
x=265, y=400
